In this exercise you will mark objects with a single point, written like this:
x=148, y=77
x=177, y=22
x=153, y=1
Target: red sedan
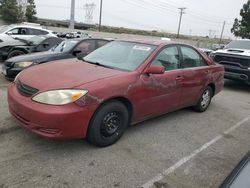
x=122, y=83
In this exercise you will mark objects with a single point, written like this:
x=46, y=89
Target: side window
x=191, y=58
x=37, y=32
x=101, y=43
x=86, y=47
x=15, y=31
x=168, y=58
x=19, y=31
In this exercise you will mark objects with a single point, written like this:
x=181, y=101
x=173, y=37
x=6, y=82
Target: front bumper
x=10, y=73
x=237, y=74
x=55, y=122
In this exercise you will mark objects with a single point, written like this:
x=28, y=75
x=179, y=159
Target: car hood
x=64, y=74
x=35, y=57
x=11, y=42
x=235, y=51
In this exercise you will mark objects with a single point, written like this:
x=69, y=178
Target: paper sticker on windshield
x=143, y=48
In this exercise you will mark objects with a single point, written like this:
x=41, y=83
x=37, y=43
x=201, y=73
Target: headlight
x=212, y=55
x=23, y=64
x=59, y=97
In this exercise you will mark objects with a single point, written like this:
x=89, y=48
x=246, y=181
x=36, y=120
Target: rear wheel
x=108, y=124
x=15, y=53
x=204, y=101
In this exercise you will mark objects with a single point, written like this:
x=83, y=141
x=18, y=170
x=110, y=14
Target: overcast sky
x=202, y=16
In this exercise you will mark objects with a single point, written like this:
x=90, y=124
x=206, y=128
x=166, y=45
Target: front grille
x=25, y=90
x=232, y=61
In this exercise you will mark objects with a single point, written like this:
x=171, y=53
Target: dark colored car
x=65, y=50
x=235, y=57
x=240, y=176
x=18, y=46
x=121, y=83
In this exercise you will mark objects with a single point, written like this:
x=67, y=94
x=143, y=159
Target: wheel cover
x=111, y=124
x=205, y=99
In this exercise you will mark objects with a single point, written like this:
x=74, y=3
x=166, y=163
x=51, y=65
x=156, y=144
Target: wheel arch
x=212, y=85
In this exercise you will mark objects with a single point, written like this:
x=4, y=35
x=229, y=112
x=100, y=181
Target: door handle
x=179, y=77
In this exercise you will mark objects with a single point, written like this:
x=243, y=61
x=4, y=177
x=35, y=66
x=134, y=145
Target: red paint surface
x=149, y=95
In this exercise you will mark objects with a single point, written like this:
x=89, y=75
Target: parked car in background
x=16, y=47
x=62, y=35
x=78, y=34
x=235, y=57
x=206, y=51
x=239, y=177
x=122, y=83
x=22, y=31
x=66, y=49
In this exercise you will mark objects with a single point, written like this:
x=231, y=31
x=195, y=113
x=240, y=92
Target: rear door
x=194, y=76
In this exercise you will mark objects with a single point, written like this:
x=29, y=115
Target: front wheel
x=15, y=53
x=204, y=101
x=108, y=124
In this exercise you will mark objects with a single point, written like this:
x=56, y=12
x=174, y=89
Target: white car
x=78, y=34
x=22, y=31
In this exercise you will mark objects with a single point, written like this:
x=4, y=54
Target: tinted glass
x=37, y=32
x=65, y=46
x=168, y=58
x=101, y=43
x=191, y=58
x=240, y=44
x=121, y=55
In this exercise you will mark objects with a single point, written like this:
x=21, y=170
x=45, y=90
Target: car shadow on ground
x=236, y=86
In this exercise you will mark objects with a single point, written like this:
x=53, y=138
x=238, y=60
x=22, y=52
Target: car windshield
x=65, y=46
x=239, y=44
x=121, y=55
x=36, y=40
x=4, y=28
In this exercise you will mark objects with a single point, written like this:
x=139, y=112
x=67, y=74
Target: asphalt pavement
x=179, y=149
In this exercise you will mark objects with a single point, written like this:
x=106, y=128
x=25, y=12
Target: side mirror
x=9, y=33
x=75, y=52
x=155, y=70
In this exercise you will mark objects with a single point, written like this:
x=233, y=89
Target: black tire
x=108, y=124
x=204, y=101
x=16, y=53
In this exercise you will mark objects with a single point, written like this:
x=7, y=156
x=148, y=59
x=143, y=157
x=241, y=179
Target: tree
x=241, y=28
x=31, y=11
x=10, y=11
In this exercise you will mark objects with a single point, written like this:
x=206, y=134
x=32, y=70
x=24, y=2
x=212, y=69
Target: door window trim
x=163, y=48
x=181, y=56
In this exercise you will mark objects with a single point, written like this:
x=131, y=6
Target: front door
x=162, y=91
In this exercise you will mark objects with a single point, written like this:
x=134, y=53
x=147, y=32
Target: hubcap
x=111, y=124
x=205, y=99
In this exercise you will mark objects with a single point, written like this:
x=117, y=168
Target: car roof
x=82, y=39
x=156, y=42
x=28, y=26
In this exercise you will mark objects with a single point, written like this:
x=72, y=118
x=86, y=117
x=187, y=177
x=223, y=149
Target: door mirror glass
x=155, y=70
x=75, y=52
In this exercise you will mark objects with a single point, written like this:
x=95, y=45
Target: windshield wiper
x=98, y=64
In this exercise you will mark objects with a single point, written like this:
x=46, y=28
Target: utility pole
x=222, y=31
x=72, y=15
x=181, y=13
x=100, y=19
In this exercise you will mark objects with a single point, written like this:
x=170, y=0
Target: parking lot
x=180, y=149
